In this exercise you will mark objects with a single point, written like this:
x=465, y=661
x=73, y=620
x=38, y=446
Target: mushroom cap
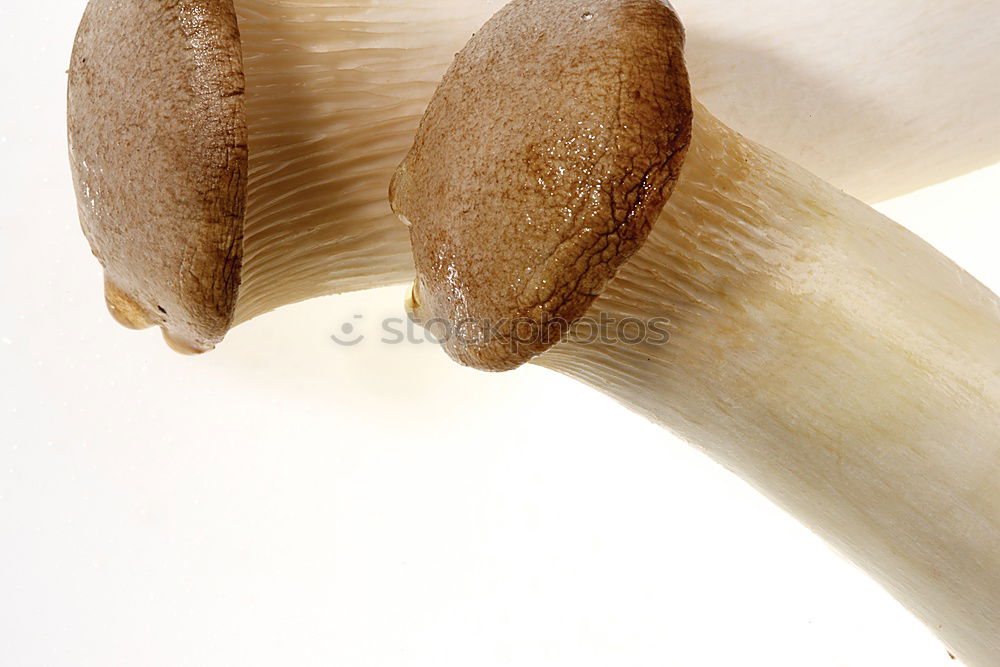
x=157, y=140
x=539, y=168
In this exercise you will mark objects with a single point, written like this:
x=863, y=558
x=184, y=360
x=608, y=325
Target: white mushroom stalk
x=833, y=359
x=828, y=356
x=876, y=97
x=334, y=91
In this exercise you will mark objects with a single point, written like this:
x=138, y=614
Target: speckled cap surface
x=157, y=137
x=539, y=168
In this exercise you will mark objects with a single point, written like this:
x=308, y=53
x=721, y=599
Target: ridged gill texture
x=832, y=359
x=335, y=91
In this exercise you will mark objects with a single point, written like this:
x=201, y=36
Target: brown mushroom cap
x=539, y=168
x=157, y=136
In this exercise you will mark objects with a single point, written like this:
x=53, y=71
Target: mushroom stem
x=831, y=358
x=877, y=98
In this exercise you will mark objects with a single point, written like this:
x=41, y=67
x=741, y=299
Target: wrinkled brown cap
x=539, y=168
x=157, y=137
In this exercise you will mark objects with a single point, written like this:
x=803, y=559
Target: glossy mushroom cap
x=158, y=136
x=539, y=168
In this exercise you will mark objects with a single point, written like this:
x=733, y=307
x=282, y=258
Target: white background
x=285, y=501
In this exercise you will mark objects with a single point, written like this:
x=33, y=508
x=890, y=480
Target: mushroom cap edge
x=158, y=149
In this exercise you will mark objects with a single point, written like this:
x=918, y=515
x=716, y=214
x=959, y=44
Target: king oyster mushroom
x=562, y=176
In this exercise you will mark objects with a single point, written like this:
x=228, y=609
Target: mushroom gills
x=335, y=91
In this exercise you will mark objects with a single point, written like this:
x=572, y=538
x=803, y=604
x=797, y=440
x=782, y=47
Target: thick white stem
x=832, y=359
x=876, y=97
